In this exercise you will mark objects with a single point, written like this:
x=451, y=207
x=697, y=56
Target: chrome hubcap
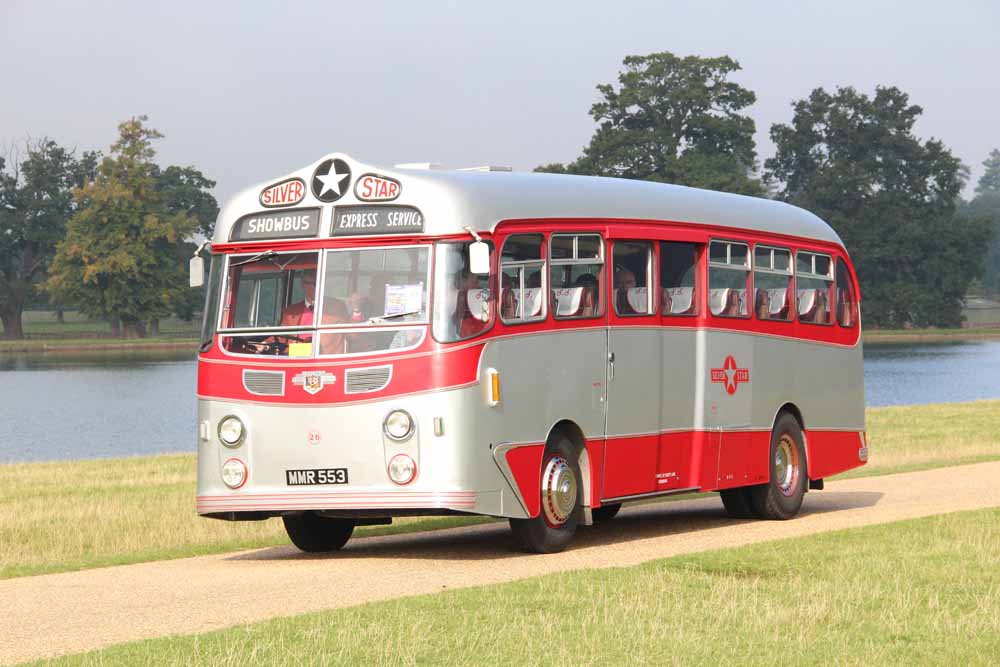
x=786, y=465
x=558, y=491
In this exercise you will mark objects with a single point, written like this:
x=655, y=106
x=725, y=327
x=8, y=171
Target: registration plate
x=316, y=476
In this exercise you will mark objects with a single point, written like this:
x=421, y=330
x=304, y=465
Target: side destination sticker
x=288, y=224
x=360, y=220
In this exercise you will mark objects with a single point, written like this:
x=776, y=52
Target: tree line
x=108, y=235
x=851, y=158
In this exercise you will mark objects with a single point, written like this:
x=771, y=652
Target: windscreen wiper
x=267, y=254
x=378, y=319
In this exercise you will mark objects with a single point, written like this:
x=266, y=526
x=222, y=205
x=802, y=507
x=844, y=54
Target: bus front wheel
x=553, y=528
x=315, y=534
x=782, y=496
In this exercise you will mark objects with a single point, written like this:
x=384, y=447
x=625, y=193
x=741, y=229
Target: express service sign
x=361, y=220
x=285, y=224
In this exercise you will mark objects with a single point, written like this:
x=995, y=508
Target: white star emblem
x=730, y=374
x=332, y=180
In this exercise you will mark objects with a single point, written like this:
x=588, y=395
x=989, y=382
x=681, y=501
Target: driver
x=300, y=314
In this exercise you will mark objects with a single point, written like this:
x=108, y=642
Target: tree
x=35, y=203
x=986, y=207
x=119, y=256
x=855, y=161
x=673, y=120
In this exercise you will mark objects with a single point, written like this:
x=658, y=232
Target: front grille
x=365, y=380
x=264, y=383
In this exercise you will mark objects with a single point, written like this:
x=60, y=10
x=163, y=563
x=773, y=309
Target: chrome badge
x=313, y=381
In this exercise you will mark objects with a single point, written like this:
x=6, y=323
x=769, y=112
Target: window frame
x=747, y=268
x=575, y=260
x=523, y=265
x=854, y=303
x=770, y=270
x=830, y=277
x=432, y=266
x=652, y=304
x=700, y=249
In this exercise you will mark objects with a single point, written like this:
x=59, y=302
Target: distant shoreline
x=56, y=345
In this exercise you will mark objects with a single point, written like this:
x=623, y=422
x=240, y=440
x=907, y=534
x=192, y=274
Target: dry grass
x=79, y=514
x=858, y=597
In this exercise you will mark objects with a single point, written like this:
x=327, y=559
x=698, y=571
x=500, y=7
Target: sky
x=248, y=91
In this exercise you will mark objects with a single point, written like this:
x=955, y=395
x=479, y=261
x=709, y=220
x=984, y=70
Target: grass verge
x=77, y=514
x=856, y=597
x=879, y=336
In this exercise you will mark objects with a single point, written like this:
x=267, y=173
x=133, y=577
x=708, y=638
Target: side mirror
x=196, y=270
x=479, y=258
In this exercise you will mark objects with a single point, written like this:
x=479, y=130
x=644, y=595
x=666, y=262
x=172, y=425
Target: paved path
x=55, y=614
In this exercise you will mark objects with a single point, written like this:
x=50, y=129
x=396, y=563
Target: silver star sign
x=332, y=180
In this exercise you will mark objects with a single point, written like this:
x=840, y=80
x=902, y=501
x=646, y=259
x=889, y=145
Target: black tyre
x=605, y=512
x=737, y=503
x=560, y=495
x=781, y=497
x=316, y=534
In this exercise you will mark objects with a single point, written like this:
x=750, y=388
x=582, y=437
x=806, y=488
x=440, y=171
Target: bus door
x=681, y=287
x=728, y=360
x=633, y=406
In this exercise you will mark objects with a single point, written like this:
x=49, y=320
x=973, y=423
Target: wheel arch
x=571, y=430
x=794, y=411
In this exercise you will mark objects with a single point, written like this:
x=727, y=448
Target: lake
x=121, y=404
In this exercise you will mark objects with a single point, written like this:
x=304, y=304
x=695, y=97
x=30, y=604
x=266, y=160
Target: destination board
x=288, y=224
x=362, y=220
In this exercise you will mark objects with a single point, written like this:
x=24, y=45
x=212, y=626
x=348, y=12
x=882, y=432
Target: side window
x=772, y=283
x=633, y=275
x=678, y=278
x=522, y=271
x=728, y=274
x=576, y=275
x=847, y=306
x=462, y=304
x=814, y=287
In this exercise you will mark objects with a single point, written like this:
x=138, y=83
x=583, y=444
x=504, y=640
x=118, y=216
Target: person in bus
x=508, y=298
x=624, y=281
x=335, y=342
x=469, y=324
x=300, y=314
x=589, y=301
x=763, y=305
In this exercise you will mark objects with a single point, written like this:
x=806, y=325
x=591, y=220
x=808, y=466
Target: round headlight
x=231, y=431
x=402, y=469
x=398, y=425
x=234, y=473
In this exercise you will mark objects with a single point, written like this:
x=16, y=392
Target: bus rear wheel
x=781, y=498
x=560, y=493
x=315, y=534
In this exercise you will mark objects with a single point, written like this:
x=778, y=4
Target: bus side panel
x=546, y=378
x=832, y=452
x=680, y=388
x=675, y=462
x=743, y=458
x=629, y=465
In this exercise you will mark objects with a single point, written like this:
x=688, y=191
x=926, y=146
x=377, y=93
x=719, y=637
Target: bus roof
x=450, y=201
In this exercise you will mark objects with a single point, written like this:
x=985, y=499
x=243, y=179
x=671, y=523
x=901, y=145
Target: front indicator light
x=231, y=431
x=398, y=425
x=234, y=473
x=402, y=469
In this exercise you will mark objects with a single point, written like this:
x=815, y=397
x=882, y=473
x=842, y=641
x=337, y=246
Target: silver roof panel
x=451, y=200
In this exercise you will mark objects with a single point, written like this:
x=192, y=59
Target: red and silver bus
x=411, y=341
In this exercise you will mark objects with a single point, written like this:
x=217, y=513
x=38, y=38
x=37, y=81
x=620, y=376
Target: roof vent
x=487, y=167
